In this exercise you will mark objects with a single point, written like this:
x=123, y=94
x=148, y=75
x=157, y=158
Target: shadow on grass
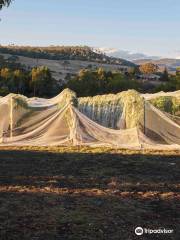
x=86, y=169
x=46, y=195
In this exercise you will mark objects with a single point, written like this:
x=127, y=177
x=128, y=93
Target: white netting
x=124, y=120
x=160, y=127
x=149, y=96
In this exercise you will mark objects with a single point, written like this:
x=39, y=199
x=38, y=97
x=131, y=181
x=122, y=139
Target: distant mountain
x=140, y=58
x=171, y=64
x=117, y=53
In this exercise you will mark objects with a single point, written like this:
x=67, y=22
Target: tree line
x=90, y=82
x=16, y=78
x=38, y=81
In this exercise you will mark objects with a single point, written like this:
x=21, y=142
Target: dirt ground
x=87, y=194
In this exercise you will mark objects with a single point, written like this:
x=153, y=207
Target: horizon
x=148, y=28
x=100, y=49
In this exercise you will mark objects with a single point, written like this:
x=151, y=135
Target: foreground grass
x=84, y=193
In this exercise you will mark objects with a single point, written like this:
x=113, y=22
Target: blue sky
x=147, y=26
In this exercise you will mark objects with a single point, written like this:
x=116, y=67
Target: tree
x=5, y=73
x=36, y=78
x=19, y=80
x=4, y=3
x=102, y=79
x=178, y=71
x=6, y=76
x=165, y=75
x=178, y=78
x=101, y=73
x=116, y=83
x=85, y=83
x=132, y=71
x=41, y=81
x=148, y=68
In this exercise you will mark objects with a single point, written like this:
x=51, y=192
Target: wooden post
x=73, y=126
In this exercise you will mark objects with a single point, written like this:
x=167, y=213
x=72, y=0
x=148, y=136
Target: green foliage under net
x=130, y=103
x=167, y=104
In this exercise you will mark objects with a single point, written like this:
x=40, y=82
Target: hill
x=81, y=53
x=62, y=60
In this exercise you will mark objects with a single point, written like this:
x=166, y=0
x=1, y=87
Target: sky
x=151, y=27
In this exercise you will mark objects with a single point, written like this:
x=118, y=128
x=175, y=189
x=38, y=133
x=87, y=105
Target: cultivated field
x=83, y=193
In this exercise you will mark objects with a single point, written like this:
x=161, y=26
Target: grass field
x=87, y=194
x=58, y=70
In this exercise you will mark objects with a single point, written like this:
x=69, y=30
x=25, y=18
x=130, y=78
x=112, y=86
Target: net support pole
x=73, y=126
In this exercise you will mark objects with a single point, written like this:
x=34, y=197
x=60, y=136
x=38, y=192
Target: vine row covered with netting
x=124, y=120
